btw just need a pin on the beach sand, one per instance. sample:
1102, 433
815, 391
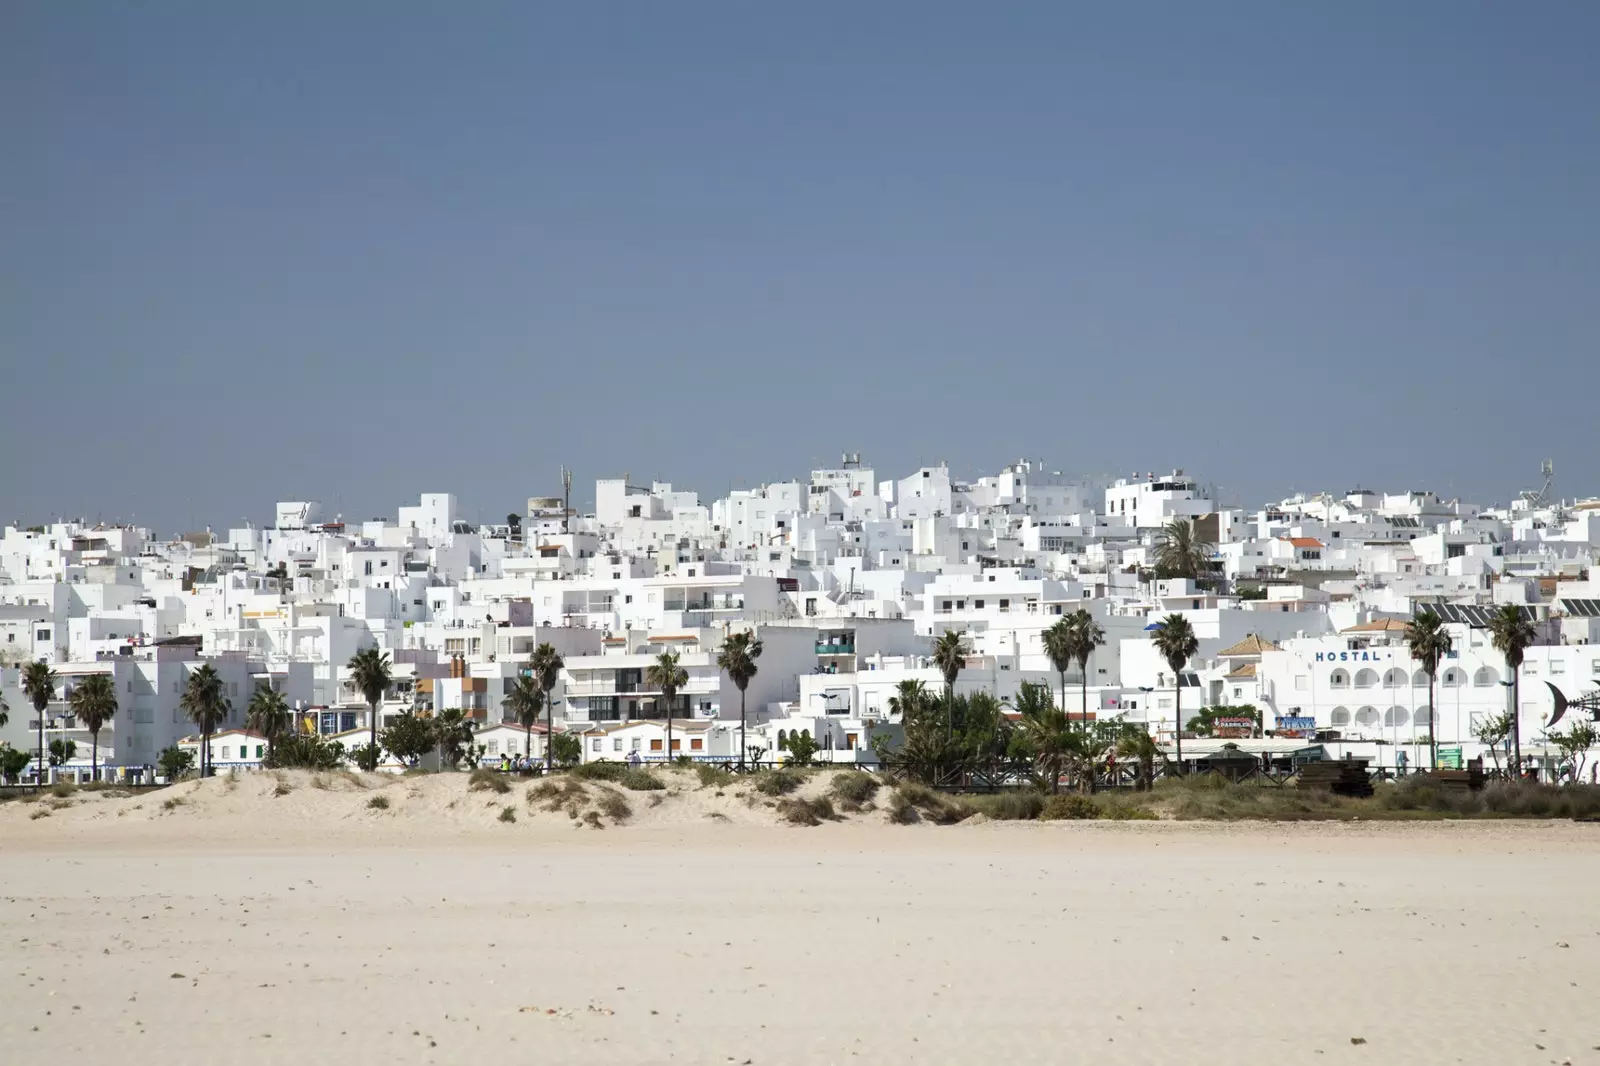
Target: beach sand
246, 927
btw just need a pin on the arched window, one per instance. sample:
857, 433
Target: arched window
783, 740
1485, 677
1340, 716
1454, 678
1367, 716
1366, 678
1395, 716
1423, 717
1420, 678
1395, 678
1339, 679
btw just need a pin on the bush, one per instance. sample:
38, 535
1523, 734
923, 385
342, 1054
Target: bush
777, 782
601, 771
173, 804
798, 811
1022, 805
713, 776
282, 788
614, 805
488, 781
1118, 807
1058, 808
508, 814
640, 781
1529, 799
565, 749
174, 762
913, 803
592, 820
379, 803
62, 789
853, 786
303, 751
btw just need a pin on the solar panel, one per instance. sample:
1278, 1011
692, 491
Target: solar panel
1472, 614
1581, 608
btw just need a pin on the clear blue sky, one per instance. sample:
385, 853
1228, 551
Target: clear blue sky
409, 248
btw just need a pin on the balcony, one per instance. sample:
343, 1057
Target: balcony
836, 647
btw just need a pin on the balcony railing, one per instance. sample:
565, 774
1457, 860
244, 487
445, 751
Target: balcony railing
836, 648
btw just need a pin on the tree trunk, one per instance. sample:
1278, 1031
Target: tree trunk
1064, 693
94, 756
372, 732
1516, 725
549, 736
742, 748
669, 726
1083, 714
527, 743
38, 771
1177, 720
1433, 726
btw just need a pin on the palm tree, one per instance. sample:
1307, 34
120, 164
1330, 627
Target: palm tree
94, 702
452, 730
39, 683
268, 714
525, 701
1046, 731
545, 666
1429, 642
668, 677
1513, 634
205, 705
949, 655
1086, 636
1061, 648
909, 698
1177, 644
1137, 744
1181, 551
737, 658
369, 672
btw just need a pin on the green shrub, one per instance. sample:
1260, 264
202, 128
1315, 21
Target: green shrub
601, 770
485, 780
1057, 808
641, 781
62, 789
1120, 807
797, 811
303, 751
379, 803
777, 782
1022, 805
853, 786
508, 814
713, 776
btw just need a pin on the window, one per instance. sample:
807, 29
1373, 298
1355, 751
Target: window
1485, 677
655, 745
696, 744
1394, 679
616, 744
1366, 678
44, 634
1339, 679
783, 740
491, 747
1300, 682
676, 743
635, 744
1557, 666
594, 745
261, 751
1340, 716
225, 752
977, 605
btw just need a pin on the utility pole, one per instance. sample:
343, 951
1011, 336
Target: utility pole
566, 500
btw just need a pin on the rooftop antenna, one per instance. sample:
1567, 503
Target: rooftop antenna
1541, 498
566, 499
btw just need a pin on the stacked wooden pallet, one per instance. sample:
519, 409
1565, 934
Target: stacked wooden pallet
1342, 777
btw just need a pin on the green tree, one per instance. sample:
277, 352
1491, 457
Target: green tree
39, 685
1061, 649
667, 677
1491, 731
1574, 744
801, 748
545, 665
370, 673
268, 714
62, 752
525, 702
568, 749
1182, 552
1044, 735
950, 656
1429, 643
408, 737
205, 706
1085, 635
12, 762
1176, 643
94, 703
452, 732
174, 762
1137, 745
1512, 634
1203, 723
737, 658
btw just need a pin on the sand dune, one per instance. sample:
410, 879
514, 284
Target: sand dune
242, 925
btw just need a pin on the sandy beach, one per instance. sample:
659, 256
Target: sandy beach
252, 924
